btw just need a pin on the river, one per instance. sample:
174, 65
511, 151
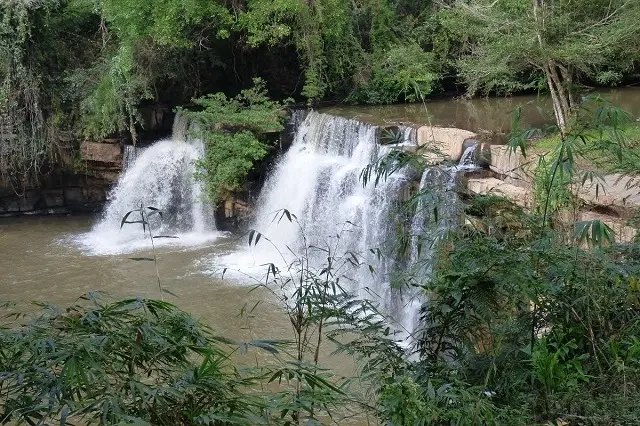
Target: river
490, 117
42, 261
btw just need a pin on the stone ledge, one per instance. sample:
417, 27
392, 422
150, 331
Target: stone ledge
622, 232
613, 190
517, 169
101, 153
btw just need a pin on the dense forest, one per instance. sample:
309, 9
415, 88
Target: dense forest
74, 69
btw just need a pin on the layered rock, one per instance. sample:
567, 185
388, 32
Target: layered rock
82, 187
103, 159
614, 191
492, 186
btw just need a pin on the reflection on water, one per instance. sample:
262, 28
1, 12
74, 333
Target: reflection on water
489, 117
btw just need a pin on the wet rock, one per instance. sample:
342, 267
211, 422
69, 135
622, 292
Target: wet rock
28, 201
483, 156
53, 198
74, 196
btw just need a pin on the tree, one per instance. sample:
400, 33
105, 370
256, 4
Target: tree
512, 45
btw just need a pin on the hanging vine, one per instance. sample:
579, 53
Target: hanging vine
24, 134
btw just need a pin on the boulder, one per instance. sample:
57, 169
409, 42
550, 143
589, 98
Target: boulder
622, 232
29, 200
443, 143
516, 169
53, 197
74, 196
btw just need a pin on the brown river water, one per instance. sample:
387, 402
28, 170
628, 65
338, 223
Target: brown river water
490, 117
41, 261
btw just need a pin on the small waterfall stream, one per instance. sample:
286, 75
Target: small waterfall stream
160, 176
129, 156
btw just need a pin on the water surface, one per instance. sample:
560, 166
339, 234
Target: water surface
41, 261
490, 117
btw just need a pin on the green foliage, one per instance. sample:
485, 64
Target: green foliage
74, 69
228, 159
141, 361
402, 403
550, 191
234, 130
597, 142
511, 45
167, 24
131, 361
403, 73
31, 64
524, 321
357, 48
111, 106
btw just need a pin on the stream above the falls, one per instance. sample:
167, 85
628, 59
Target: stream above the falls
490, 117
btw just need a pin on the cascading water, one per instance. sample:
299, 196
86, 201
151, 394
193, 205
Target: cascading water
318, 180
437, 212
160, 176
129, 156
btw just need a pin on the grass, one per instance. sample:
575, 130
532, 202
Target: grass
595, 158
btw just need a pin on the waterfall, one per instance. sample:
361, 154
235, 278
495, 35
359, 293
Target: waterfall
318, 180
437, 212
160, 176
129, 156
468, 159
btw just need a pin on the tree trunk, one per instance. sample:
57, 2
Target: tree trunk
561, 118
563, 102
563, 94
567, 76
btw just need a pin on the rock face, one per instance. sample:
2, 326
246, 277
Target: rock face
103, 159
83, 189
622, 232
98, 152
512, 165
443, 143
490, 185
71, 194
615, 191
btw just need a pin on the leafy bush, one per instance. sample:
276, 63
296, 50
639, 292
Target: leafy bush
132, 361
401, 72
234, 133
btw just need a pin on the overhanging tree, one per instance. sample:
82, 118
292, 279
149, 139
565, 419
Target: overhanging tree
511, 45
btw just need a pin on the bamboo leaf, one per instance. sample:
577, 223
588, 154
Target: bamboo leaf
124, 218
